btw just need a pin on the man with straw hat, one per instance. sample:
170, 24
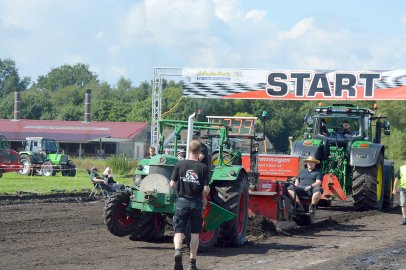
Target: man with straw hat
308, 183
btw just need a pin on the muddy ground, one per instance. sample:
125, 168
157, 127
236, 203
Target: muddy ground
70, 234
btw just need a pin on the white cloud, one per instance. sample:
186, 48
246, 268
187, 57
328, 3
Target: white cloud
298, 29
228, 10
255, 15
26, 15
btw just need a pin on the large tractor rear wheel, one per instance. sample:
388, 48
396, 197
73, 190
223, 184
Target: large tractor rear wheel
151, 228
119, 220
25, 160
233, 196
368, 186
69, 170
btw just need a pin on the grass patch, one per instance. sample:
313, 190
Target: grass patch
14, 183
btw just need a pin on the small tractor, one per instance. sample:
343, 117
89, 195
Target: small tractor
144, 211
9, 159
40, 156
352, 164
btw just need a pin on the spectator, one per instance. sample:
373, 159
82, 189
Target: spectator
190, 178
152, 152
401, 181
308, 183
109, 180
96, 178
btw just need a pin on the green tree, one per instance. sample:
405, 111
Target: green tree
57, 78
35, 105
7, 106
10, 80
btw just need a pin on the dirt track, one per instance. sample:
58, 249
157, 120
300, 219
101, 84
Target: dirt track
71, 235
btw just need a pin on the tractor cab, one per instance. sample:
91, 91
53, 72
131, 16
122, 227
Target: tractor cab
340, 125
40, 148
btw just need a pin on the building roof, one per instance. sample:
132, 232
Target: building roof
70, 131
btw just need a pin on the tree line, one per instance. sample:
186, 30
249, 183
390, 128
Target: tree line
59, 95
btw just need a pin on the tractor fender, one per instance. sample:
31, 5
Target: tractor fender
366, 157
302, 150
226, 173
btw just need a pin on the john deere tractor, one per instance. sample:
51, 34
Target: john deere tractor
40, 156
352, 160
144, 211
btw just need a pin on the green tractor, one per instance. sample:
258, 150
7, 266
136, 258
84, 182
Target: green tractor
40, 156
352, 160
144, 211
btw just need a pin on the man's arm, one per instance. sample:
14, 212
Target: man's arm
174, 177
98, 180
395, 184
317, 183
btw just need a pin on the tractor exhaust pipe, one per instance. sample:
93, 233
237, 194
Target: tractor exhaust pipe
87, 105
17, 99
189, 132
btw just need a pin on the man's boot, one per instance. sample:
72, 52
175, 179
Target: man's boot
178, 260
192, 264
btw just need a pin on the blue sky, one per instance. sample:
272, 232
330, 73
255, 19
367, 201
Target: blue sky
129, 38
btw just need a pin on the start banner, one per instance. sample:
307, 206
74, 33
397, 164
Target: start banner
294, 84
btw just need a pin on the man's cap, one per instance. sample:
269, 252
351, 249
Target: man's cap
311, 159
93, 169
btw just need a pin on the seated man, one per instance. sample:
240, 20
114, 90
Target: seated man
308, 183
345, 129
109, 180
95, 178
323, 128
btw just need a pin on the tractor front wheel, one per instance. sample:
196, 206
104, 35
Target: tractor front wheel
120, 220
47, 169
151, 228
368, 186
233, 196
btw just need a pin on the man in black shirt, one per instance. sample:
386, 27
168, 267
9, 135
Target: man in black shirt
308, 183
191, 180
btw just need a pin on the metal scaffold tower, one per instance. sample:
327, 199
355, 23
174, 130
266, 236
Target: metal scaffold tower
159, 75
